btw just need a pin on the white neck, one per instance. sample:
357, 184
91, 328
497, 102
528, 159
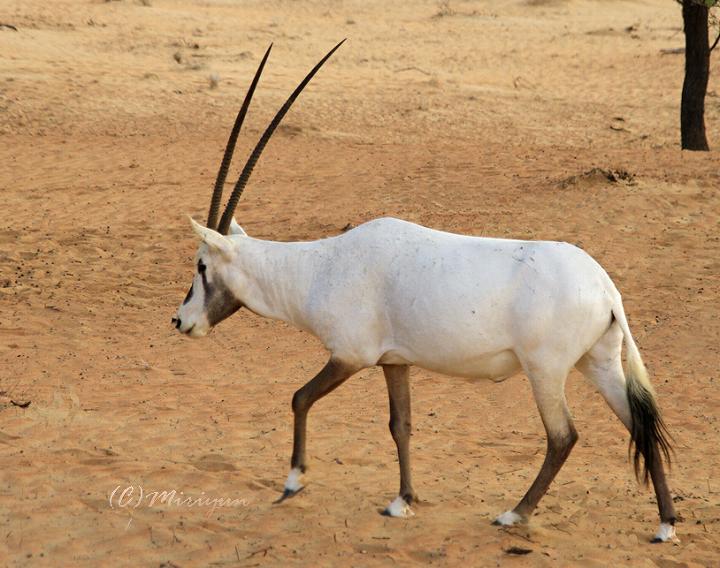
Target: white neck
273, 279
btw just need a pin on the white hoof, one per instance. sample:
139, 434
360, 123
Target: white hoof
292, 484
508, 519
666, 533
398, 508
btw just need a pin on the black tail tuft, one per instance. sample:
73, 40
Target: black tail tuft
649, 434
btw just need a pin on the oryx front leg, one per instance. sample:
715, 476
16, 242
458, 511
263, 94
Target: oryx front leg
332, 376
396, 377
549, 391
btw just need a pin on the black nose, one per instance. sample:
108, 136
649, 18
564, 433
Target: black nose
177, 322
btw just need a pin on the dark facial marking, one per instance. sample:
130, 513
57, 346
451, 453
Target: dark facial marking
220, 302
188, 296
207, 287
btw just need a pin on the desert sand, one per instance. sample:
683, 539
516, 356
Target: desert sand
486, 118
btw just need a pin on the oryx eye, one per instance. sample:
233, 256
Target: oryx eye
201, 267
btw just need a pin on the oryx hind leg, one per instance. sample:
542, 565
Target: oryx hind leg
398, 385
602, 365
549, 391
332, 376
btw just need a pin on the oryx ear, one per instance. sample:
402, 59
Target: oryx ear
211, 238
236, 229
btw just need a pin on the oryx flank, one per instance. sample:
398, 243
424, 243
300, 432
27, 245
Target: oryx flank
396, 294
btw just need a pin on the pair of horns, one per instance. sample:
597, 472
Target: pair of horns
224, 225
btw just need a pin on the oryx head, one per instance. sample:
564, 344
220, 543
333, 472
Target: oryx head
210, 300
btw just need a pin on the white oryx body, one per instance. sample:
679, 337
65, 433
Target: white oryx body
392, 292
396, 294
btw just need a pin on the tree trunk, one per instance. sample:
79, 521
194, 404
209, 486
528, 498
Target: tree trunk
697, 71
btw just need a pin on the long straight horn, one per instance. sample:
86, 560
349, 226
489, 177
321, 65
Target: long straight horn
247, 170
230, 148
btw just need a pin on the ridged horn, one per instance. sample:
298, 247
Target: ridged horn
247, 170
230, 148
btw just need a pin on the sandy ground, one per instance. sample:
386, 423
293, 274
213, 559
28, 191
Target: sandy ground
478, 117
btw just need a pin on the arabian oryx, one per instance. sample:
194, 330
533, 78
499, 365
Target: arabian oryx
396, 294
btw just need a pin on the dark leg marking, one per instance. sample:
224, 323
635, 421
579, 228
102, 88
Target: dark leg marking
662, 494
652, 440
558, 450
397, 379
333, 374
561, 437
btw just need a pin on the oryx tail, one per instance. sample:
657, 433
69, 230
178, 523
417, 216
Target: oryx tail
648, 432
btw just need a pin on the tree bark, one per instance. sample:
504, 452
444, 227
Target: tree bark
697, 71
